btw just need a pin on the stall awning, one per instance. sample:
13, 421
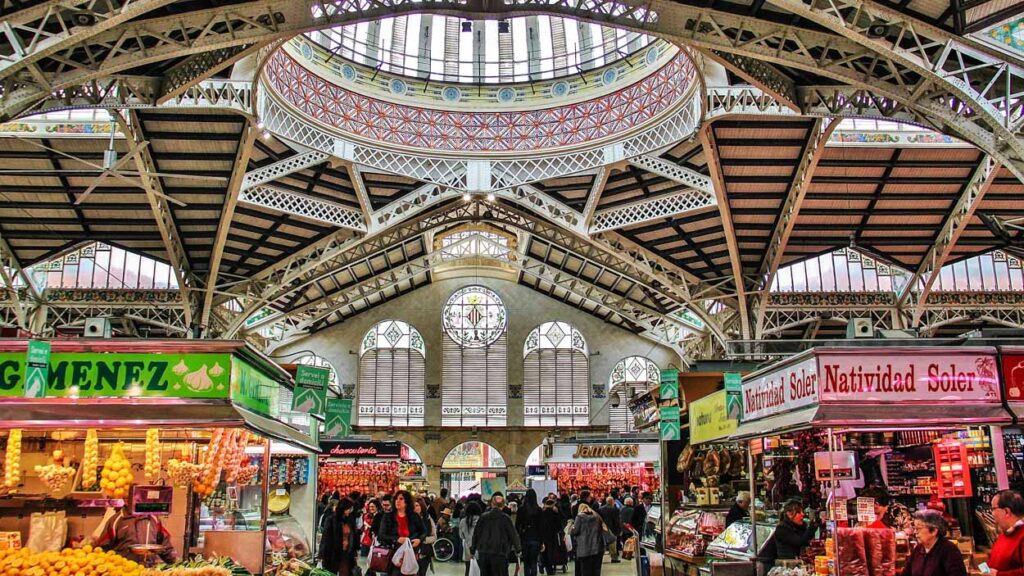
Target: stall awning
278, 431
875, 416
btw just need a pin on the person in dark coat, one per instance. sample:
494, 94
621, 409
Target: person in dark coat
494, 538
934, 554
400, 525
640, 512
610, 514
587, 531
740, 509
552, 537
528, 527
792, 535
565, 507
340, 542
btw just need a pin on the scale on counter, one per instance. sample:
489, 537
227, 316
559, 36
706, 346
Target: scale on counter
150, 501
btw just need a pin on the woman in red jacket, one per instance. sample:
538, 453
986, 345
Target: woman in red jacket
1007, 556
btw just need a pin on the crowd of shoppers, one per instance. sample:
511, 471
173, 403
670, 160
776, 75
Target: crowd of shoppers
543, 533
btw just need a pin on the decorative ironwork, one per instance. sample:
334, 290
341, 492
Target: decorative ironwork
306, 206
282, 168
651, 209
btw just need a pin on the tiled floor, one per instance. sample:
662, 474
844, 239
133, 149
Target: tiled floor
623, 568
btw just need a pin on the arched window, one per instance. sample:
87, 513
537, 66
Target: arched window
475, 366
630, 376
556, 376
391, 368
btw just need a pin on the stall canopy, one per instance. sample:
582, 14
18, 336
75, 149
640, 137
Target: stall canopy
873, 388
124, 383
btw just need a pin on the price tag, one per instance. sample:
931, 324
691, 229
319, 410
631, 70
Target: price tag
281, 492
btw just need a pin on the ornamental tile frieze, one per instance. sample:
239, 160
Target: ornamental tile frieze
831, 299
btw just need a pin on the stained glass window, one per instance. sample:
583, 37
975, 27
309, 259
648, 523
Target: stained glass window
474, 317
631, 375
391, 374
556, 376
475, 359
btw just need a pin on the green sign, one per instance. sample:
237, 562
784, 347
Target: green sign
669, 385
670, 423
339, 418
733, 381
310, 394
734, 406
97, 374
253, 389
37, 368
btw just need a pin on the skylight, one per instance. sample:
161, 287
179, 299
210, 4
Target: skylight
448, 49
102, 266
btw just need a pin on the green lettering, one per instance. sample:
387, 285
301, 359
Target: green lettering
107, 373
132, 373
10, 374
58, 376
80, 374
156, 379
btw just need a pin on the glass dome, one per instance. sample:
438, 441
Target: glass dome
448, 49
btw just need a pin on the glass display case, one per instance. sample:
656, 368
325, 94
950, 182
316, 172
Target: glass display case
737, 540
286, 540
651, 535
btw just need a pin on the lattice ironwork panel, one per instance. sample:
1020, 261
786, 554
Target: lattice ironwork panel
673, 172
287, 166
652, 209
305, 206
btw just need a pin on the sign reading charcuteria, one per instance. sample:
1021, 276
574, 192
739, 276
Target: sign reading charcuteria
873, 376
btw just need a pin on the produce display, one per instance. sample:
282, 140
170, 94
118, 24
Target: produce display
247, 475
296, 567
91, 460
224, 454
56, 475
365, 477
182, 472
198, 566
12, 459
85, 560
152, 454
116, 478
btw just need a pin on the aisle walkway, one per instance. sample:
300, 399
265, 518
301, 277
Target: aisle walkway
623, 568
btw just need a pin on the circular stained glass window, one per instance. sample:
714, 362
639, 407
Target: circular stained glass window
474, 317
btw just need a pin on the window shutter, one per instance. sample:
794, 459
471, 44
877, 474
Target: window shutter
474, 380
391, 390
556, 388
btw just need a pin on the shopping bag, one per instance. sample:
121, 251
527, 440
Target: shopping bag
474, 568
47, 531
380, 558
568, 542
405, 559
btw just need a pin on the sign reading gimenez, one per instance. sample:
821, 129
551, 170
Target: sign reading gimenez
875, 376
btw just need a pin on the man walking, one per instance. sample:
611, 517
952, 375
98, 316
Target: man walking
493, 539
610, 514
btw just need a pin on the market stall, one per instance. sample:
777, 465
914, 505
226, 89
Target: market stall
474, 467
833, 425
99, 433
603, 465
367, 467
714, 472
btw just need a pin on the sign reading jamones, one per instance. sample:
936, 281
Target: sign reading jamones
874, 376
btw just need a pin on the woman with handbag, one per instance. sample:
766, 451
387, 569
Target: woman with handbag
588, 529
426, 552
340, 544
397, 527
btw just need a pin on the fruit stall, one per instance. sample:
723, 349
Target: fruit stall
179, 433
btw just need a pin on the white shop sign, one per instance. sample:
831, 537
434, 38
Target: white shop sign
947, 376
878, 376
792, 387
646, 452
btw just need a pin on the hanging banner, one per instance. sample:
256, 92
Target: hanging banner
339, 418
709, 418
310, 394
670, 423
37, 368
669, 389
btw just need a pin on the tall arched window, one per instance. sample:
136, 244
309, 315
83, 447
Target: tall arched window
475, 367
556, 376
630, 376
391, 369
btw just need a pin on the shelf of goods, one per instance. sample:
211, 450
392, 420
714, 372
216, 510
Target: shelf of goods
600, 477
121, 414
365, 477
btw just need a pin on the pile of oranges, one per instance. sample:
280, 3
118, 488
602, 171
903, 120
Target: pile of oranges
67, 562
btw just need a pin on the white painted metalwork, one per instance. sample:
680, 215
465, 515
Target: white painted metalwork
651, 209
289, 165
304, 206
674, 172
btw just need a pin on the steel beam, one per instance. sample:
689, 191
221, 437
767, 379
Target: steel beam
959, 218
673, 172
131, 127
282, 168
707, 139
359, 185
305, 206
818, 137
594, 198
651, 209
227, 214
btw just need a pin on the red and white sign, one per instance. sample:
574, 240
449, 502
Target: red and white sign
1013, 374
791, 387
908, 376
